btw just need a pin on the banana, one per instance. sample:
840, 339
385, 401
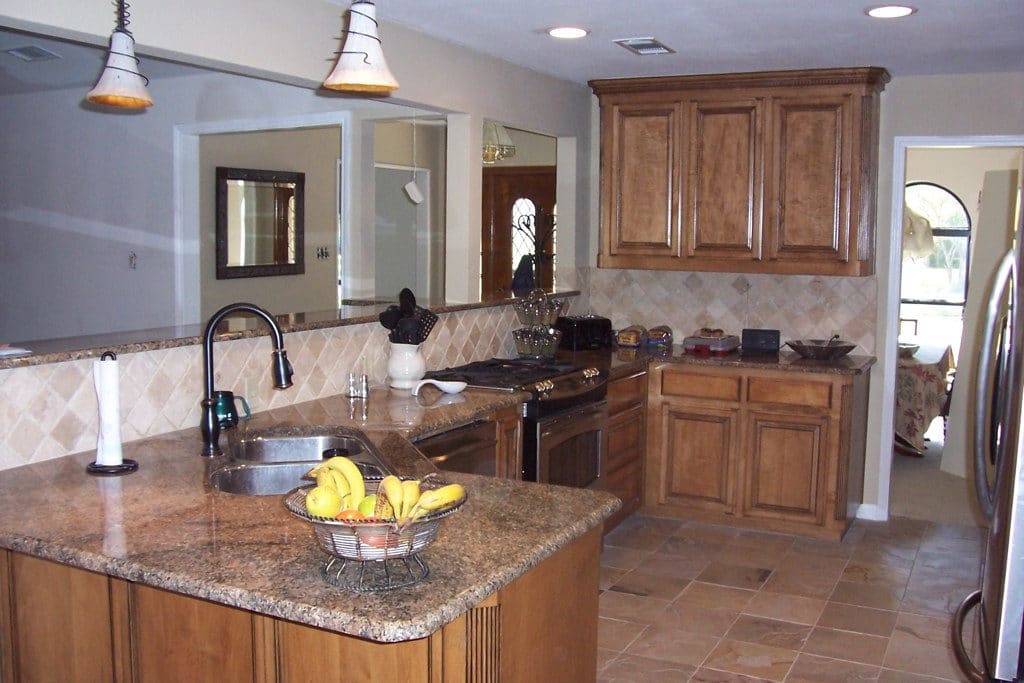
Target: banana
383, 508
351, 472
333, 479
437, 499
390, 490
410, 495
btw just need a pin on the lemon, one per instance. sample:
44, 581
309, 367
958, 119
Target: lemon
322, 501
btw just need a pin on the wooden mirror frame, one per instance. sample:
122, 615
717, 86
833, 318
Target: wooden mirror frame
224, 271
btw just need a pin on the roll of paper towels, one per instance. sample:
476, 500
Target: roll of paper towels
108, 399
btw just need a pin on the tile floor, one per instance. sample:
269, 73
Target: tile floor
683, 601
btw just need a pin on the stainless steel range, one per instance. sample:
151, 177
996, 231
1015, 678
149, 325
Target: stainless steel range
564, 420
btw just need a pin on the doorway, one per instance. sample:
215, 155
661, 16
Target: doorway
938, 486
514, 199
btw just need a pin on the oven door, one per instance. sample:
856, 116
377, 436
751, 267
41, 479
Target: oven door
568, 447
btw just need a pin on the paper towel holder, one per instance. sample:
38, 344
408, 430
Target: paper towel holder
127, 466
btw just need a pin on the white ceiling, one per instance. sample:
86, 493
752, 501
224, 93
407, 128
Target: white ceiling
719, 36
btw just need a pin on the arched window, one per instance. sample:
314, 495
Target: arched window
523, 214
940, 278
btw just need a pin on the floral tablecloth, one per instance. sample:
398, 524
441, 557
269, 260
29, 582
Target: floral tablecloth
921, 391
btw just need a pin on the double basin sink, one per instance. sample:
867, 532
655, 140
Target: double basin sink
273, 461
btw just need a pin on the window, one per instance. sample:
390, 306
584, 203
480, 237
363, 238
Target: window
940, 278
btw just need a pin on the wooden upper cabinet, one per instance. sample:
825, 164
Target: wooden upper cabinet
770, 172
723, 189
641, 200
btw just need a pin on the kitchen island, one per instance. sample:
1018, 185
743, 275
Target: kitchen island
155, 573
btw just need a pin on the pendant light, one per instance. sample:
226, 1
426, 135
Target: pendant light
120, 84
497, 143
361, 67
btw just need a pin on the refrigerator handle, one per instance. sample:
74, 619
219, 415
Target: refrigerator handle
962, 658
982, 385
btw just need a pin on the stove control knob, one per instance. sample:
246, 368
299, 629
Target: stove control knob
591, 374
544, 386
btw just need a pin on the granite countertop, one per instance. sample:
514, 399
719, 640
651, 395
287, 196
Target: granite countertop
624, 361
165, 527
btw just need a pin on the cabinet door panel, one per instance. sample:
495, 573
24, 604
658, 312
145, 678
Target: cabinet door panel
723, 194
786, 466
698, 457
644, 191
810, 179
61, 622
180, 638
626, 392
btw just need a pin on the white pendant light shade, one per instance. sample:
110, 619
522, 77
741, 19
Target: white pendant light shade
121, 84
361, 66
497, 143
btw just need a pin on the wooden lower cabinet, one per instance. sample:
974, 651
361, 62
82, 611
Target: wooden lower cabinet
770, 449
623, 467
69, 624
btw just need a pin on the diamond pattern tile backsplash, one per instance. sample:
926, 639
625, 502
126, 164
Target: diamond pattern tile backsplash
50, 410
796, 305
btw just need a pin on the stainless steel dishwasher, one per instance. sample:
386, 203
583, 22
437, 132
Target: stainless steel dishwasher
472, 448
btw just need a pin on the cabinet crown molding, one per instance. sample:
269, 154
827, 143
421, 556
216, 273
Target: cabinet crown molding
872, 76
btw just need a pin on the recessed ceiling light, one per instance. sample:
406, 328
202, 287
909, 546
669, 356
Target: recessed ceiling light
567, 32
890, 11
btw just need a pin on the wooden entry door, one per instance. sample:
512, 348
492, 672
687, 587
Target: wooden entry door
502, 187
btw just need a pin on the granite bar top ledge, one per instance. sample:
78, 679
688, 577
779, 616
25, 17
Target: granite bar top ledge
163, 526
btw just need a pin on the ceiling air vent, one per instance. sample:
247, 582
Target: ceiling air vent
644, 46
32, 53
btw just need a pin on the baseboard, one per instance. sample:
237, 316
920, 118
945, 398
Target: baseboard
874, 513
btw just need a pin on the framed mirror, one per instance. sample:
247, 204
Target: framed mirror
259, 227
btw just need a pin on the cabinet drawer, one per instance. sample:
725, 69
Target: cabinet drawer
794, 392
626, 393
695, 385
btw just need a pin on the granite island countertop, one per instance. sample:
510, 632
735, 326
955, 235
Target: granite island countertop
165, 527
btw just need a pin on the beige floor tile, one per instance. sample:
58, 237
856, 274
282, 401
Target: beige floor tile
935, 597
813, 546
673, 645
785, 607
621, 558
711, 595
706, 533
894, 676
760, 539
802, 582
633, 669
709, 621
803, 561
690, 548
846, 645
734, 575
661, 525
615, 634
630, 607
704, 675
930, 564
813, 669
866, 595
891, 556
750, 659
858, 571
604, 657
921, 644
766, 558
676, 566
640, 539
765, 631
650, 585
874, 622
608, 577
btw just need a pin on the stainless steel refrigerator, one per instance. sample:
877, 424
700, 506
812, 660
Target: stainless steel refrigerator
998, 606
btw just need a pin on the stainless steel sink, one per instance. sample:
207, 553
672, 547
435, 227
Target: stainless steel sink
272, 462
268, 447
268, 479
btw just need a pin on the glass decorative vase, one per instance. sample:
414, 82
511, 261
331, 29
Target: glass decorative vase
406, 365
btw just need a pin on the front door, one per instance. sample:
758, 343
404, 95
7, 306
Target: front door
511, 197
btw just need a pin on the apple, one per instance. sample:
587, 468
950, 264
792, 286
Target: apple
368, 504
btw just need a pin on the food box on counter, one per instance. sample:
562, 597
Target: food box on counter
711, 346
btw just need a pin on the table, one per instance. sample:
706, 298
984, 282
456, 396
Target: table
921, 391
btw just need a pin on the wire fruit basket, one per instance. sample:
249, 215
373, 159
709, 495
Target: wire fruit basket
371, 539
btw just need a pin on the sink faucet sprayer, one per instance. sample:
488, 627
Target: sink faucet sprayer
282, 370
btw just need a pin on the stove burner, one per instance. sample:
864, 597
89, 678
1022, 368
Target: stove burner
503, 373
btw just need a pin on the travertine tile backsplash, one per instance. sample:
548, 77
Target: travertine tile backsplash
798, 306
50, 410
